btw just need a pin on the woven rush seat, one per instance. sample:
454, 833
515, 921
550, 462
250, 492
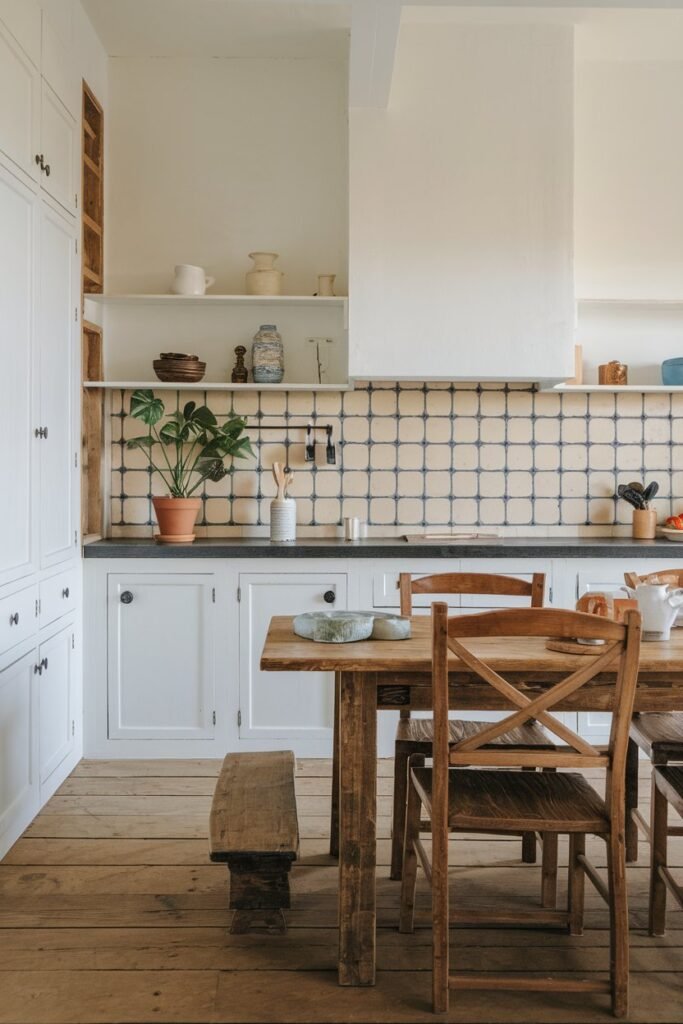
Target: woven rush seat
551, 801
421, 730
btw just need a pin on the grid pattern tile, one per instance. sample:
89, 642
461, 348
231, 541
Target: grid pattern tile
428, 455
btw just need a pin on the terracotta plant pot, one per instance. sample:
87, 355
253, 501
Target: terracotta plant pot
644, 524
176, 518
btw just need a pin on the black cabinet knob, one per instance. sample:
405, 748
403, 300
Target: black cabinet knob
126, 597
329, 597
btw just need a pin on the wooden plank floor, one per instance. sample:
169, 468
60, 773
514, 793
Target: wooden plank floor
111, 912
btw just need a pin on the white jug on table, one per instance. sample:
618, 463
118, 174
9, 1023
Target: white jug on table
658, 604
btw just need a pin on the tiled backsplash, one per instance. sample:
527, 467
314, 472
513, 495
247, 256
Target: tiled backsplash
436, 455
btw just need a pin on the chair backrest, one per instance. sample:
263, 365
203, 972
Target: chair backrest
512, 631
484, 583
672, 576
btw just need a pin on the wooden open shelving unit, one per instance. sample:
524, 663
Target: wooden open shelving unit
92, 282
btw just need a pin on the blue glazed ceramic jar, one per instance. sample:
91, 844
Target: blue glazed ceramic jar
267, 356
672, 372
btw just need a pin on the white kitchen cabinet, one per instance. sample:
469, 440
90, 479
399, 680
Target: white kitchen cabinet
19, 106
17, 247
160, 671
57, 150
55, 327
57, 724
18, 747
284, 706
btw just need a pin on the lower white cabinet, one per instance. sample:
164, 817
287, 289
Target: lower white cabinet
160, 671
19, 789
57, 724
284, 706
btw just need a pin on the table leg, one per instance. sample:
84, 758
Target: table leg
334, 813
358, 827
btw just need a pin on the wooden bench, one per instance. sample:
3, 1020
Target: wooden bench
253, 828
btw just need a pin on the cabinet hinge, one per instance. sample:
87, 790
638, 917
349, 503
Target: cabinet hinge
75, 460
214, 717
239, 594
76, 199
73, 727
75, 536
577, 588
213, 594
550, 595
73, 641
76, 245
76, 313
239, 719
37, 607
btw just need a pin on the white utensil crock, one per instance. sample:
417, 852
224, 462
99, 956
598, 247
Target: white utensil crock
283, 519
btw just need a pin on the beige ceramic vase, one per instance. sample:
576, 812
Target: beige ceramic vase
176, 518
264, 279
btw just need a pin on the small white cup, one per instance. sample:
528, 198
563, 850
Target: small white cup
351, 528
190, 280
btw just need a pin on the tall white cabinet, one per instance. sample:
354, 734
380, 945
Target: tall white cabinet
40, 699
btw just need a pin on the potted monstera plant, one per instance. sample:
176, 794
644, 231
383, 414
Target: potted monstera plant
185, 448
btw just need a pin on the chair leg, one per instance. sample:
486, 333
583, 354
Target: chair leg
658, 857
529, 838
402, 765
334, 813
618, 912
631, 801
576, 883
409, 872
549, 870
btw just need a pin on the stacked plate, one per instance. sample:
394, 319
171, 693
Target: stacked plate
179, 368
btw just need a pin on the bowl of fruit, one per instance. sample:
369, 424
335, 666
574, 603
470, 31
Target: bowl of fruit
673, 528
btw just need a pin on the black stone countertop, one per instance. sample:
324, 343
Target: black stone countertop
390, 547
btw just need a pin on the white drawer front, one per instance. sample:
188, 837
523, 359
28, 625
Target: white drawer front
57, 596
17, 617
385, 593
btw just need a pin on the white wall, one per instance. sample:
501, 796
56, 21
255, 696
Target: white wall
629, 170
210, 159
461, 208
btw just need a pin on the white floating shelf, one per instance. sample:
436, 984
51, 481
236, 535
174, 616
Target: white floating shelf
338, 301
586, 301
204, 385
626, 389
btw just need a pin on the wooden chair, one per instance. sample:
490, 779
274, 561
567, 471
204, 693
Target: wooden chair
414, 735
472, 800
667, 788
658, 735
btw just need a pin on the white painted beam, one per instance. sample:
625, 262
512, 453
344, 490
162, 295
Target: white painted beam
374, 35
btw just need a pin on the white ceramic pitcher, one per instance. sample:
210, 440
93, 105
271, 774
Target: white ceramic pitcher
190, 280
658, 604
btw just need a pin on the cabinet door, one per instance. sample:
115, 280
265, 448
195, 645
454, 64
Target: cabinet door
19, 106
284, 705
55, 333
18, 743
57, 144
17, 212
56, 713
160, 656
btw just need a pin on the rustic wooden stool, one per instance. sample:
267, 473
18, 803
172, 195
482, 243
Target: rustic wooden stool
253, 828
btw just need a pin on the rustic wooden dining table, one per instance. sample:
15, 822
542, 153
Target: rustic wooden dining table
385, 675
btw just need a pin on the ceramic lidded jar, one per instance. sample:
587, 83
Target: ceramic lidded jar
263, 278
267, 356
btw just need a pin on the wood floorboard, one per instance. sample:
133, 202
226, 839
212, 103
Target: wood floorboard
110, 912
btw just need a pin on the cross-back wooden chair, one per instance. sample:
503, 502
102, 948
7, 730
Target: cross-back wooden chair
667, 788
502, 800
658, 734
414, 735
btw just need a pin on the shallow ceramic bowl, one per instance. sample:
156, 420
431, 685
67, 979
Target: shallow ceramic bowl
676, 535
388, 626
334, 627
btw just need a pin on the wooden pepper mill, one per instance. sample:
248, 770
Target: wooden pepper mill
240, 374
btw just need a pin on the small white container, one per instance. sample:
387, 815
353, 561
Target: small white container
283, 519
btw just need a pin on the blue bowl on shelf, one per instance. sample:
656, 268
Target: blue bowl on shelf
672, 372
